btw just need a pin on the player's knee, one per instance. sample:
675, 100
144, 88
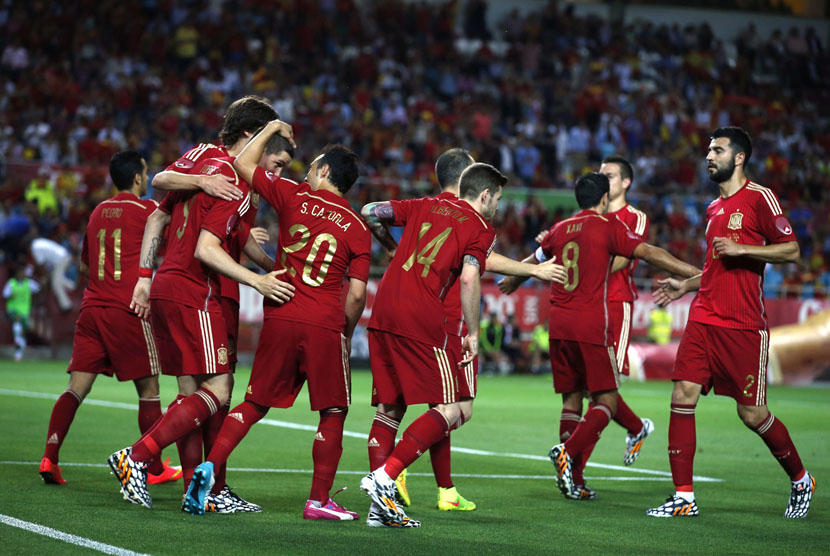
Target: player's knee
147, 387
752, 416
334, 411
685, 393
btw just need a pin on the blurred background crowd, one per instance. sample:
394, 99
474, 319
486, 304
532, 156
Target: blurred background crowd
543, 94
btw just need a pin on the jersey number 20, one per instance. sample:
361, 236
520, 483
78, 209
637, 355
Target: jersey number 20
305, 236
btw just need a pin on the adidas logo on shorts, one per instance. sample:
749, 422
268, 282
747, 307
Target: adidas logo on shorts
53, 439
237, 416
319, 436
373, 443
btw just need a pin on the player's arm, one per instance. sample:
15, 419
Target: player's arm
217, 185
512, 283
470, 306
672, 288
787, 252
247, 161
662, 259
254, 251
619, 263
526, 268
378, 216
209, 251
355, 302
150, 244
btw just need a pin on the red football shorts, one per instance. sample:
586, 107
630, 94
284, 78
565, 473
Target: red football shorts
619, 314
468, 374
189, 341
289, 354
733, 361
111, 341
230, 312
409, 372
577, 367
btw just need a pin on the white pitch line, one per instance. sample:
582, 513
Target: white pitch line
67, 537
343, 472
351, 434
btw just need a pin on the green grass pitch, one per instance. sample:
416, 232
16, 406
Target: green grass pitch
519, 509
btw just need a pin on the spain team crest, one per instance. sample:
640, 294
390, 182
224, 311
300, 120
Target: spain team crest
735, 221
222, 356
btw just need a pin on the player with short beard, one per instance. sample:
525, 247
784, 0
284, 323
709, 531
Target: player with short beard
726, 341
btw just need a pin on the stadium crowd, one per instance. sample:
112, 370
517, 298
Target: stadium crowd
542, 96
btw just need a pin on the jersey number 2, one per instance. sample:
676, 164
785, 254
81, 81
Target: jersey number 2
305, 235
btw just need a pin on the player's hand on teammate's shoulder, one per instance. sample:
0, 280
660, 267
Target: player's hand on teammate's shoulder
260, 235
670, 289
140, 302
550, 272
272, 287
220, 186
725, 247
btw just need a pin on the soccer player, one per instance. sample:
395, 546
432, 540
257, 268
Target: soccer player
448, 169
443, 240
322, 241
622, 291
109, 338
581, 350
726, 341
188, 323
18, 295
243, 118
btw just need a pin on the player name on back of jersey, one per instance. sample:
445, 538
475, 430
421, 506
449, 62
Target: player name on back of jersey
574, 227
320, 211
114, 212
444, 210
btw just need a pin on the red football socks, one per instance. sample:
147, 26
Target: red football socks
239, 421
381, 439
588, 430
328, 446
209, 434
627, 418
439, 456
189, 448
777, 438
149, 411
63, 414
682, 444
184, 417
425, 431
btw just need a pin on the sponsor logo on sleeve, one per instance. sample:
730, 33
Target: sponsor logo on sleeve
783, 225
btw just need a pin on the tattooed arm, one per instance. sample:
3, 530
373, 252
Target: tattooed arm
153, 236
470, 306
378, 216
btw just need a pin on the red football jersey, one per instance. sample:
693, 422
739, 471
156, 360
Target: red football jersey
182, 278
437, 234
621, 286
235, 245
452, 302
321, 242
731, 289
111, 249
585, 245
187, 163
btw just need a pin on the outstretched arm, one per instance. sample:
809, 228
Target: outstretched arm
663, 260
254, 251
546, 271
672, 288
378, 216
209, 251
247, 161
217, 185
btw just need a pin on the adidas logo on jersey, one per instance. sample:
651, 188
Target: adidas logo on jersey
197, 422
373, 443
238, 416
249, 391
53, 439
319, 436
719, 212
